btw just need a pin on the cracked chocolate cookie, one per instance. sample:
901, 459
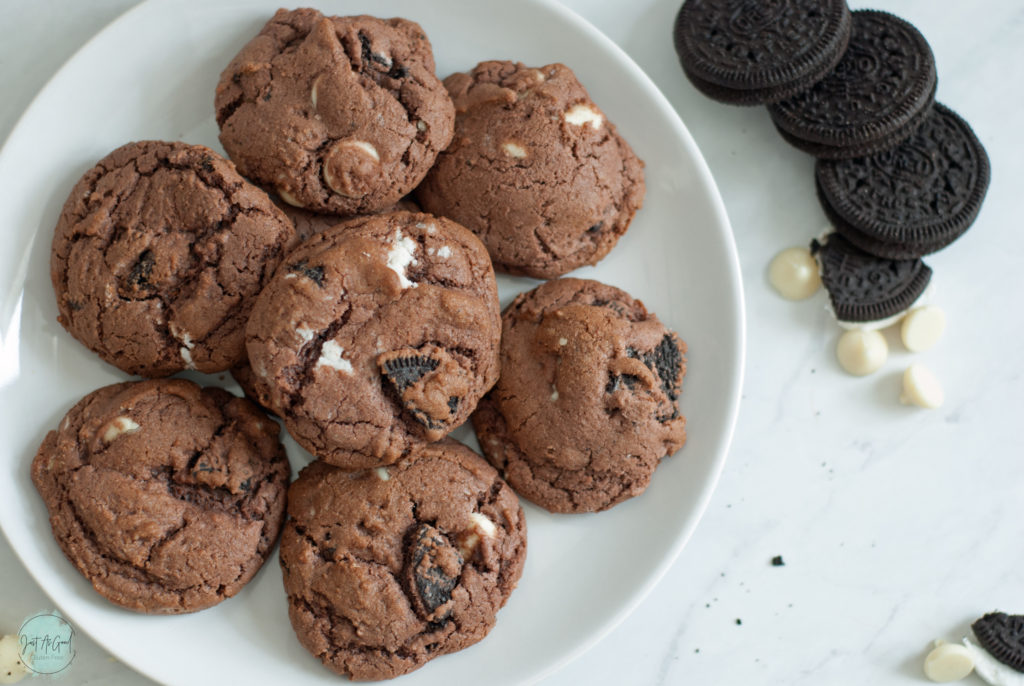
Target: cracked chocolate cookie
339, 114
535, 169
587, 403
375, 334
158, 254
166, 496
388, 568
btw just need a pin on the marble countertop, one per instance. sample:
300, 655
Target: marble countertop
897, 525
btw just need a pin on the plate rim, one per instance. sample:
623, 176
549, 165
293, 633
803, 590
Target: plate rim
733, 392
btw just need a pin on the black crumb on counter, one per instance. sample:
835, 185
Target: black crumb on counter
778, 562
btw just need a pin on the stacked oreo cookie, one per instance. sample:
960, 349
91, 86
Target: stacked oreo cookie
898, 175
369, 328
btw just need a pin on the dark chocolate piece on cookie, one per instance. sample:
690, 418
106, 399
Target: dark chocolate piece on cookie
750, 52
913, 199
1002, 635
863, 287
873, 99
390, 567
432, 570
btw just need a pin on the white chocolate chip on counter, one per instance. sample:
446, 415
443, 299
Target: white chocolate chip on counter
513, 150
581, 115
12, 669
922, 328
921, 387
794, 274
948, 662
119, 426
861, 352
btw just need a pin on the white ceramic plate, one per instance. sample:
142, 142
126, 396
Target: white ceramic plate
151, 74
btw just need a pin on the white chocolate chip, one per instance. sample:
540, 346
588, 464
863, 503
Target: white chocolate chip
351, 167
794, 274
382, 473
563, 341
305, 333
554, 393
331, 356
119, 426
444, 251
513, 150
401, 256
861, 352
922, 328
312, 92
483, 524
479, 526
921, 387
948, 662
288, 197
12, 668
581, 115
421, 125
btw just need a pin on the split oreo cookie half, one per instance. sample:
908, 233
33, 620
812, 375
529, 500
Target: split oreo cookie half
913, 199
863, 288
751, 52
1002, 635
875, 98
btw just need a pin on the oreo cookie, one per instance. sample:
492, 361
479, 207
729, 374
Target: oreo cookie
1002, 635
913, 199
875, 98
864, 288
751, 52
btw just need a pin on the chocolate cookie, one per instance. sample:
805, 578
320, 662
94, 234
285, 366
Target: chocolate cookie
913, 199
587, 403
158, 254
166, 496
875, 98
339, 114
750, 52
863, 288
388, 568
535, 169
376, 334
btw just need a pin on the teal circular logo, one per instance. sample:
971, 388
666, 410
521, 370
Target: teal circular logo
46, 643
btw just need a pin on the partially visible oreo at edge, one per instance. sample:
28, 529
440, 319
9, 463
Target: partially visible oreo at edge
913, 199
865, 288
750, 52
875, 98
1002, 635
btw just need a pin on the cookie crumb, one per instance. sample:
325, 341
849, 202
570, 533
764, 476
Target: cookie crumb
777, 561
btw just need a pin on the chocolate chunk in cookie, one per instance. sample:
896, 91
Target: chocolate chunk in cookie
588, 400
388, 568
166, 496
376, 334
535, 170
158, 255
339, 114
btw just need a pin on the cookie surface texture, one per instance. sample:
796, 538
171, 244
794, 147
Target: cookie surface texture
158, 254
587, 403
388, 568
375, 334
535, 170
165, 496
913, 199
339, 114
875, 97
749, 52
863, 287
